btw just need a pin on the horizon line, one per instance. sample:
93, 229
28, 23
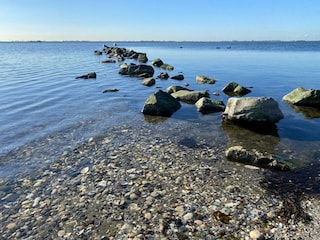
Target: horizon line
298, 40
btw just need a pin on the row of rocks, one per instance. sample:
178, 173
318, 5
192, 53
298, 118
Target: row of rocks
245, 111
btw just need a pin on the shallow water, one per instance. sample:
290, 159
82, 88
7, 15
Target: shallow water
46, 111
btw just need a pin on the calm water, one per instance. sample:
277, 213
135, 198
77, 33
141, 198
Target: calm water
42, 104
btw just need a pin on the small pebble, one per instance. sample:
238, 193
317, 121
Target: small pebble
255, 234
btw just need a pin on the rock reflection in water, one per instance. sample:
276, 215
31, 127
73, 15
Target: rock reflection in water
154, 119
250, 139
308, 112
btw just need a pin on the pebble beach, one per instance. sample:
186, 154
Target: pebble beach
140, 182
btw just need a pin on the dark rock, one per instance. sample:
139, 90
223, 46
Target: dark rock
120, 58
207, 105
303, 97
87, 76
189, 96
108, 61
204, 79
157, 62
160, 104
163, 75
97, 52
142, 57
173, 89
136, 70
253, 110
255, 158
110, 90
149, 81
179, 77
234, 89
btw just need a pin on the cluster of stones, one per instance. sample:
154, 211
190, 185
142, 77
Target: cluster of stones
252, 112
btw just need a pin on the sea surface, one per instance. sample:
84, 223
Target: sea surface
45, 110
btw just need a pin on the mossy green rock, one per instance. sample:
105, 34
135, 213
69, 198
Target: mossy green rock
160, 104
303, 97
207, 105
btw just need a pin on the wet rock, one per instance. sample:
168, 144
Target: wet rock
179, 77
173, 89
149, 81
205, 79
142, 57
167, 67
87, 76
255, 158
253, 110
303, 97
157, 62
234, 89
97, 52
189, 96
207, 105
110, 90
163, 75
108, 61
136, 70
160, 104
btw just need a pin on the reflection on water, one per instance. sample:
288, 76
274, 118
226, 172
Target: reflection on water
308, 112
154, 119
247, 138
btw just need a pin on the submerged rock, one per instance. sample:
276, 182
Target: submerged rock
108, 61
253, 109
303, 97
110, 90
255, 158
205, 79
160, 104
179, 77
89, 75
189, 96
207, 105
97, 52
234, 89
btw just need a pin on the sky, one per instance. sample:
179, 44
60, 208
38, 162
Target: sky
164, 20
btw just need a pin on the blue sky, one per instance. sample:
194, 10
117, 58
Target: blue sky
177, 20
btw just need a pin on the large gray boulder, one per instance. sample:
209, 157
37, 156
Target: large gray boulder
136, 70
255, 158
204, 79
207, 105
303, 97
160, 104
189, 96
235, 89
253, 109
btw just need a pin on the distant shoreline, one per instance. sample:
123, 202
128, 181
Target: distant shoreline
157, 41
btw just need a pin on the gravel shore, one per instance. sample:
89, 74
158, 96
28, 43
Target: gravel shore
141, 183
